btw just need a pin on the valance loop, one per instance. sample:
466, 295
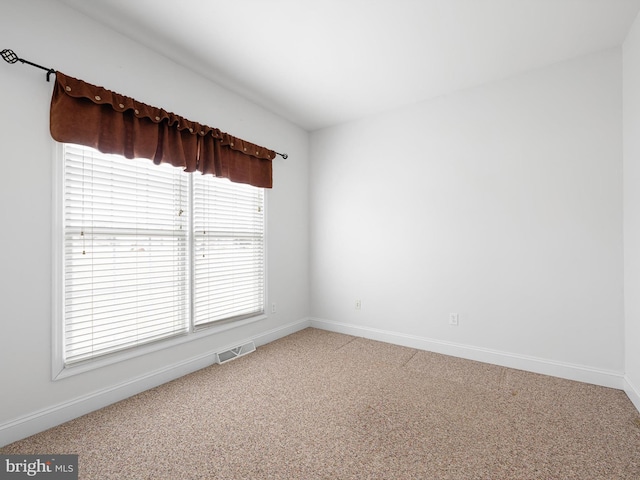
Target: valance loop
89, 115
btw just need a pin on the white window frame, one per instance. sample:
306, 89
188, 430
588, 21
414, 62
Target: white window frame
58, 368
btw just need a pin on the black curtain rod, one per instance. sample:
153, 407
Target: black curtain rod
10, 56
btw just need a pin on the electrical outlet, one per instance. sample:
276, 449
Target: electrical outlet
358, 305
273, 307
453, 319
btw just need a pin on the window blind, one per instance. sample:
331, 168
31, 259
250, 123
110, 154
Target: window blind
125, 242
228, 250
151, 252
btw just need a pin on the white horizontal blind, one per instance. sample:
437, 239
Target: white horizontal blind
125, 253
228, 250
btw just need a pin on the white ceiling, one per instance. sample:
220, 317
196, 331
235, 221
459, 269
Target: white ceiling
323, 62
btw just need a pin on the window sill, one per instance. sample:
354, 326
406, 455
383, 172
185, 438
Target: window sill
61, 371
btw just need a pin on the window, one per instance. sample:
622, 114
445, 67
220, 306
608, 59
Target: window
150, 253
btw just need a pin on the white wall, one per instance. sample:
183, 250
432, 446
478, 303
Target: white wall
51, 34
631, 135
502, 203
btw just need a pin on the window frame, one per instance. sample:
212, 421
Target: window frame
59, 369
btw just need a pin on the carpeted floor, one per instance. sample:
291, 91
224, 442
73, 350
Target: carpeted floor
321, 405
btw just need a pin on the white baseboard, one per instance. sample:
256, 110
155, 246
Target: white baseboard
520, 362
45, 418
280, 332
632, 392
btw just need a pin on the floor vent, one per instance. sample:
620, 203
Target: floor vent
235, 352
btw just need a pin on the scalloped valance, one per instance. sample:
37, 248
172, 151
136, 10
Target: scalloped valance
88, 115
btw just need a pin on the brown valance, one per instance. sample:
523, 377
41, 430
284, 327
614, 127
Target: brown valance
88, 115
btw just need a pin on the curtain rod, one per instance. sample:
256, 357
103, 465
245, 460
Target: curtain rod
10, 56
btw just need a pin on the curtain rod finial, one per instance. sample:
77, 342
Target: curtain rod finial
9, 55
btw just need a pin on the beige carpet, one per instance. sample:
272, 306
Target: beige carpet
321, 405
